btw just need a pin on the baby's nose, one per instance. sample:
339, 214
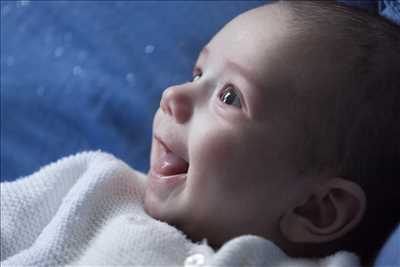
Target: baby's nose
176, 101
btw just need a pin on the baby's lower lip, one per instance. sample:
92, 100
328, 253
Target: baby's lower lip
164, 185
167, 180
164, 173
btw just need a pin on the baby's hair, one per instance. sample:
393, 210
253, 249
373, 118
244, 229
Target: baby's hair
359, 134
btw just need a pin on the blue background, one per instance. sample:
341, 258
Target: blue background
85, 76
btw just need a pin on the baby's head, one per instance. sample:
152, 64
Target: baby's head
289, 130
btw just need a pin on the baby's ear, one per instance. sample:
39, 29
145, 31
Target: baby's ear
328, 213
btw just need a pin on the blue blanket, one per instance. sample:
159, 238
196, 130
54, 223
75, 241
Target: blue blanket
85, 76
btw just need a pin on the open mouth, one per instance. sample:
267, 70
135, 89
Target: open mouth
167, 163
169, 169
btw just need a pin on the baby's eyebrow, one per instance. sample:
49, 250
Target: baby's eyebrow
236, 67
204, 52
244, 72
203, 55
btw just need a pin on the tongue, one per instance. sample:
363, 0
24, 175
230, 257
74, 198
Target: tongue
170, 164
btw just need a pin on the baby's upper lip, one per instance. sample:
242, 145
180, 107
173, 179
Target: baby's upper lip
173, 145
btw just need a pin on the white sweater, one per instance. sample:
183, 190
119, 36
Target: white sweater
87, 209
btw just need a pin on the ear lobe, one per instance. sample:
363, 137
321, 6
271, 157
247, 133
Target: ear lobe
329, 213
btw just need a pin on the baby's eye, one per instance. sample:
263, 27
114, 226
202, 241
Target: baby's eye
196, 77
230, 96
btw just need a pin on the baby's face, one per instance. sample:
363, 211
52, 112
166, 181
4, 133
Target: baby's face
224, 143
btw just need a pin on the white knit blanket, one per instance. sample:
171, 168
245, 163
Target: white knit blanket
87, 209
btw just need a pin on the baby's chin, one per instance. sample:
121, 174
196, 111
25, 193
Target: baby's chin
150, 205
157, 208
194, 231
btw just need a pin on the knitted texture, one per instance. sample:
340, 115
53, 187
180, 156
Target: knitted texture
87, 209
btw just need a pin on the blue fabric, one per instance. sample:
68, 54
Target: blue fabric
390, 9
390, 254
78, 76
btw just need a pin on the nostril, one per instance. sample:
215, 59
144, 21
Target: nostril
177, 102
181, 111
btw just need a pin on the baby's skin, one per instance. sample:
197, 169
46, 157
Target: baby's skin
226, 144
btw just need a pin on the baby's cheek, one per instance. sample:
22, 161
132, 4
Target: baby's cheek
216, 146
220, 155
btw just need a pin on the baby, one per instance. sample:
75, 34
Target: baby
288, 132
